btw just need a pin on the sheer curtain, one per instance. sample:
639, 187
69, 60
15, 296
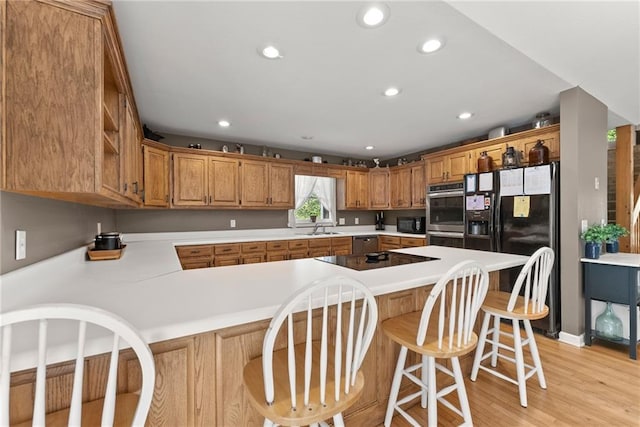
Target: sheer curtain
325, 190
304, 186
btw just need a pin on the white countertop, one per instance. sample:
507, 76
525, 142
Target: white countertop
148, 287
621, 259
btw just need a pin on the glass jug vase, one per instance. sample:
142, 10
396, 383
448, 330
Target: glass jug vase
608, 325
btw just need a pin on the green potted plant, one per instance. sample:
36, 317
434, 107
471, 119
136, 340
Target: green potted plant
594, 236
614, 232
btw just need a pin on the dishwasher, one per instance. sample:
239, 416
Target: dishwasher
364, 245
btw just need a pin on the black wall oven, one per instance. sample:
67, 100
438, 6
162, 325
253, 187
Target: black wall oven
445, 214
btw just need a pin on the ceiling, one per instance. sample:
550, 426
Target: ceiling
194, 63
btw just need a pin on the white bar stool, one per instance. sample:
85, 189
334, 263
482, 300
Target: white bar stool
456, 298
526, 307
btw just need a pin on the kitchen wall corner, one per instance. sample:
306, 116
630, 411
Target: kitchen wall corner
53, 227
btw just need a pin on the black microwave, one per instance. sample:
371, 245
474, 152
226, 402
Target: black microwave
411, 224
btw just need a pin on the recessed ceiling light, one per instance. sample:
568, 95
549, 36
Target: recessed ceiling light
465, 115
224, 123
369, 147
430, 46
270, 52
392, 91
373, 15
307, 137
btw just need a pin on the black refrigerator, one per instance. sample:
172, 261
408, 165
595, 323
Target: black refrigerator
528, 217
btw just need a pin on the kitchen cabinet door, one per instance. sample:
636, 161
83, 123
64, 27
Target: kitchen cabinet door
156, 176
379, 188
435, 169
131, 159
354, 190
418, 186
223, 182
254, 183
189, 180
387, 243
281, 186
458, 166
401, 187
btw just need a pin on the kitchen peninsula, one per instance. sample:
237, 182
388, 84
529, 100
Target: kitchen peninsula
205, 324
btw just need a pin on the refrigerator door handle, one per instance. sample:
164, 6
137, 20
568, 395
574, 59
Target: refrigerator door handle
496, 222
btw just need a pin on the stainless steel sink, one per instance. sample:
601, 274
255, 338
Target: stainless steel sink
321, 233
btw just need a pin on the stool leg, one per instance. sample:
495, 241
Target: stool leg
432, 407
338, 421
425, 377
395, 386
480, 348
495, 340
462, 391
534, 354
517, 346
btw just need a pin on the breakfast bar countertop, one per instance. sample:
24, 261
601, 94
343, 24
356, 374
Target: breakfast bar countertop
148, 287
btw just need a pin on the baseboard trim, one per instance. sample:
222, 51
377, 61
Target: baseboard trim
574, 340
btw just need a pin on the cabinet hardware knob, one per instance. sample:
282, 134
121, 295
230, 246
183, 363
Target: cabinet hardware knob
209, 199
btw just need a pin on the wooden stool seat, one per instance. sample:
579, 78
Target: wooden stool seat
281, 412
497, 302
402, 329
92, 413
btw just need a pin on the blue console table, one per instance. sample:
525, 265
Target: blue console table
612, 277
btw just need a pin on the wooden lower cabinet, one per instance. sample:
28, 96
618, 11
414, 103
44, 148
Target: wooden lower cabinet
277, 250
199, 377
387, 243
411, 242
341, 245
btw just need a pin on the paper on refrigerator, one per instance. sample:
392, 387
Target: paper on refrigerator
511, 182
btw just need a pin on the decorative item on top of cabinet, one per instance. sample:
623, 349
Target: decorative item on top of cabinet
379, 188
155, 174
82, 148
485, 162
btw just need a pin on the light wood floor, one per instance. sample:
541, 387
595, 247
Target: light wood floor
588, 386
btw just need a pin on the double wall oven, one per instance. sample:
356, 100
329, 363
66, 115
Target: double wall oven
445, 214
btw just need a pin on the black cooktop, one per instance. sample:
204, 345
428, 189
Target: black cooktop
375, 260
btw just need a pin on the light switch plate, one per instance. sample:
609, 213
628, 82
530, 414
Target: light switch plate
357, 221
341, 221
21, 244
232, 223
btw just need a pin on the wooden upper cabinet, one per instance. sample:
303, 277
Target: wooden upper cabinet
353, 190
190, 180
458, 166
223, 182
493, 151
282, 186
66, 128
265, 184
401, 187
448, 168
156, 176
418, 186
132, 175
379, 188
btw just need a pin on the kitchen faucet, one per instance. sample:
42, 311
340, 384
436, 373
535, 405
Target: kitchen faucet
315, 228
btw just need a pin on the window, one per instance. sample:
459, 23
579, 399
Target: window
315, 201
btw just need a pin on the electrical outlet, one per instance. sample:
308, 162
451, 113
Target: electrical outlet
232, 223
341, 221
596, 183
357, 220
584, 224
21, 244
